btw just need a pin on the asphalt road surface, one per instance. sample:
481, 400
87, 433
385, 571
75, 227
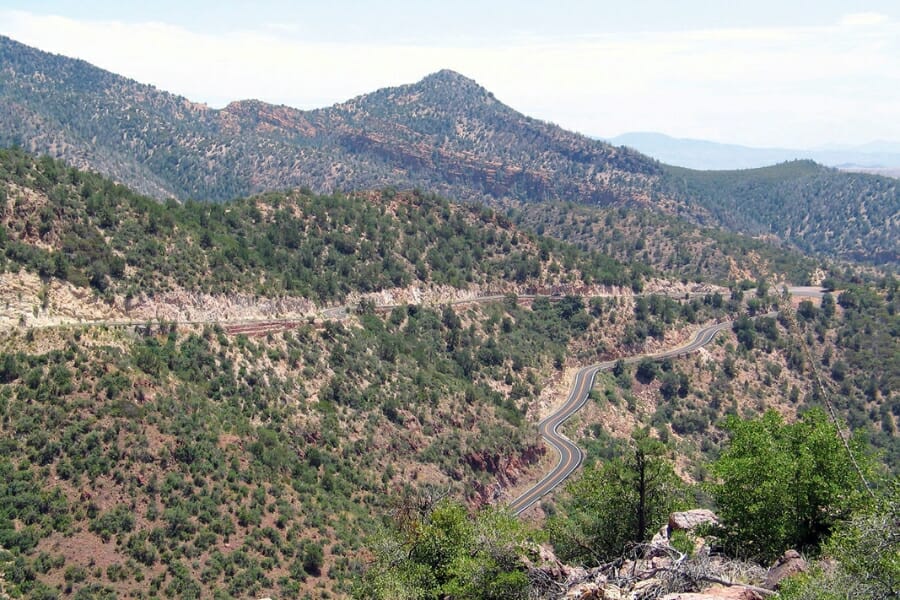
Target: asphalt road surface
570, 455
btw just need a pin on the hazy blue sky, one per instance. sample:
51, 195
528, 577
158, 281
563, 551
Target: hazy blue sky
788, 73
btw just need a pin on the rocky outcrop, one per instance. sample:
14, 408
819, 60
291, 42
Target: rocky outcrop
656, 570
690, 520
506, 469
444, 133
788, 564
590, 591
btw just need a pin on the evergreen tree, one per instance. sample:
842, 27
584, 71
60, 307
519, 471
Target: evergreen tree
617, 504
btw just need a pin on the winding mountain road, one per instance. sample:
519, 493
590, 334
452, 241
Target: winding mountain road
570, 455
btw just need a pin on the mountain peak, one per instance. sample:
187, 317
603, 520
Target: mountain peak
447, 80
449, 76
447, 92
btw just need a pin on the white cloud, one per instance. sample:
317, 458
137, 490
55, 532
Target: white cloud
864, 19
765, 86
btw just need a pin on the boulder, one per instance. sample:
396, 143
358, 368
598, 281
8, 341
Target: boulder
661, 537
790, 563
691, 519
555, 568
586, 591
582, 591
571, 573
546, 554
611, 592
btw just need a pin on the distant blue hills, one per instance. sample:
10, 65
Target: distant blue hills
880, 156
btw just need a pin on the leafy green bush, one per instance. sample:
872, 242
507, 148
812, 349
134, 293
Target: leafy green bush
865, 551
113, 522
442, 552
785, 485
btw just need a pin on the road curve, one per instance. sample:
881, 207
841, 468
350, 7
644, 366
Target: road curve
570, 455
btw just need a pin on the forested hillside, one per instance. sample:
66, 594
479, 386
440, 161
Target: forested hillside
148, 456
182, 460
783, 427
144, 455
331, 387
814, 208
841, 351
445, 134
667, 243
82, 228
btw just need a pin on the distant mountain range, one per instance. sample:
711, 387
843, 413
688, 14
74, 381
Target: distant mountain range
702, 154
444, 134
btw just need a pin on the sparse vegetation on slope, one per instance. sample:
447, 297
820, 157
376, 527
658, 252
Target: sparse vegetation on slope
190, 461
768, 502
72, 225
816, 209
769, 362
669, 244
445, 134
179, 460
194, 461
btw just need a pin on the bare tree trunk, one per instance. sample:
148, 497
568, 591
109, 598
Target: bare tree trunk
642, 495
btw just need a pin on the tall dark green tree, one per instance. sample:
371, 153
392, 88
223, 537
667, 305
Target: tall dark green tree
617, 504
